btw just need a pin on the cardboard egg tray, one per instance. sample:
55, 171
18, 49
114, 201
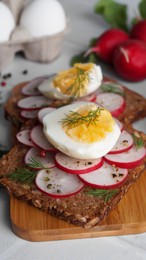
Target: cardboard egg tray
39, 49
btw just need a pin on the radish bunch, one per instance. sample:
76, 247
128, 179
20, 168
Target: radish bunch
124, 45
125, 52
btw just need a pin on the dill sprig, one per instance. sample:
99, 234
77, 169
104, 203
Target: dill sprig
109, 87
26, 175
77, 88
106, 195
23, 175
74, 119
138, 141
36, 164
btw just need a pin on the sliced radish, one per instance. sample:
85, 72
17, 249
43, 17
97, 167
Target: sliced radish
35, 153
119, 124
34, 102
129, 159
112, 102
29, 114
76, 166
89, 98
57, 183
106, 177
38, 138
31, 89
24, 137
124, 143
43, 112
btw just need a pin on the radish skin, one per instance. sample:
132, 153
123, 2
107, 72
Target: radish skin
107, 42
106, 177
129, 159
129, 60
76, 166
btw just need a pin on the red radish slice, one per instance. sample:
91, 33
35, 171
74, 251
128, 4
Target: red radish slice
38, 138
29, 114
43, 112
34, 102
31, 89
57, 183
35, 153
124, 143
76, 166
106, 177
24, 137
112, 102
119, 124
130, 159
89, 98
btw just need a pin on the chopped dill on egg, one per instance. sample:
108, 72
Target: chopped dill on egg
77, 88
74, 119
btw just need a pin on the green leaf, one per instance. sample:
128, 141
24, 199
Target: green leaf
138, 141
142, 9
114, 13
81, 58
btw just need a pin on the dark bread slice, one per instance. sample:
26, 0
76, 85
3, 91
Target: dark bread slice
81, 209
135, 106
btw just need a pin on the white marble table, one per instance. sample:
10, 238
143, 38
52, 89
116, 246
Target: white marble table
84, 25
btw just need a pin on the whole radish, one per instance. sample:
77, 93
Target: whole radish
129, 60
138, 31
107, 42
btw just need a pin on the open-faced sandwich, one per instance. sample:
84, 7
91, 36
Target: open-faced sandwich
76, 153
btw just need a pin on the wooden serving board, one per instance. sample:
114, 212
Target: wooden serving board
129, 217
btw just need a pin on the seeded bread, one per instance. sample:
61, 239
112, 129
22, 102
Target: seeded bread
81, 209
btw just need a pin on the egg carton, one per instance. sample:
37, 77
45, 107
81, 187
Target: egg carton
38, 49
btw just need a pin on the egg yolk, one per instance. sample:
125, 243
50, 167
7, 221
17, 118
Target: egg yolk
88, 124
74, 82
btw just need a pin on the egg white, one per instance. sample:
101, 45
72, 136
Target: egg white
47, 87
54, 132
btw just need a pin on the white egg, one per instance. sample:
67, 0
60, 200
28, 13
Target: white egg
48, 89
7, 22
43, 18
58, 137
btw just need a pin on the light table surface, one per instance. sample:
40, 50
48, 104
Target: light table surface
83, 25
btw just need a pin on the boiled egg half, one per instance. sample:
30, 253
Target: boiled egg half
82, 130
76, 82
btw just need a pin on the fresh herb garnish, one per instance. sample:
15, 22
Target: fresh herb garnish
106, 195
36, 164
26, 175
23, 175
138, 141
109, 87
74, 119
77, 88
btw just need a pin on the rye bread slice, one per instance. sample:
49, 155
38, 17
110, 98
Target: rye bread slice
135, 106
81, 209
